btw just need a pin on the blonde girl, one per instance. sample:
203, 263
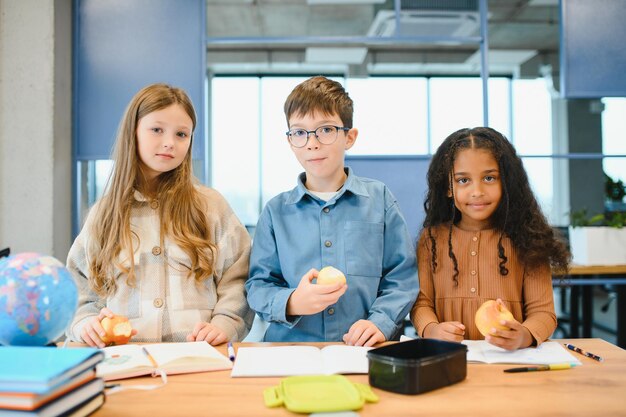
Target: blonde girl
158, 247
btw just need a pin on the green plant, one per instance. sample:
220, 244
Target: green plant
580, 218
614, 190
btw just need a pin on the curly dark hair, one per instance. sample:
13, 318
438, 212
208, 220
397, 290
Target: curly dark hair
518, 215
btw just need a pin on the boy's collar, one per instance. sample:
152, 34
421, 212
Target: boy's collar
352, 185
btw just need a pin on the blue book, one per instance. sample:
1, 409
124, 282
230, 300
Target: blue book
39, 369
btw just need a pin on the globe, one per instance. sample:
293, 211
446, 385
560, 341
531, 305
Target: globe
38, 299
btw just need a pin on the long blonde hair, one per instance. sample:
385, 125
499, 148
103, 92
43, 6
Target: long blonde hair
182, 211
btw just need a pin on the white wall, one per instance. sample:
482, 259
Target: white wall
35, 126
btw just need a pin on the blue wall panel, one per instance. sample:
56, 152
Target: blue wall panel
121, 46
593, 48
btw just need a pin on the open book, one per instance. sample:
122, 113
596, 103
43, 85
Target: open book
126, 361
548, 353
300, 360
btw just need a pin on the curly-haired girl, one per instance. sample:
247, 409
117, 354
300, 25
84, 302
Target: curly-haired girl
484, 238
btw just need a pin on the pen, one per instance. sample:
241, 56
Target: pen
582, 352
231, 351
555, 367
152, 361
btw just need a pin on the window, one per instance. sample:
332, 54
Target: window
613, 143
252, 162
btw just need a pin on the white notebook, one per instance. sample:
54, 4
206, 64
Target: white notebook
548, 353
300, 360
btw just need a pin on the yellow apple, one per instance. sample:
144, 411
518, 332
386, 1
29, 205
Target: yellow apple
489, 316
117, 330
330, 275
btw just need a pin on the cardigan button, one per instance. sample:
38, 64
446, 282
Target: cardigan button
156, 251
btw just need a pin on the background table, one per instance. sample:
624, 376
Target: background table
581, 280
596, 388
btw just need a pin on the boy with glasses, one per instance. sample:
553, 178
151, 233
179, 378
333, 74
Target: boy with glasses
331, 218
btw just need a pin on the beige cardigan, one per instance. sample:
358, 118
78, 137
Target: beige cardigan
165, 304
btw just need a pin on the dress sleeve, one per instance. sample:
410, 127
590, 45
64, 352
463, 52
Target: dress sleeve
423, 311
538, 297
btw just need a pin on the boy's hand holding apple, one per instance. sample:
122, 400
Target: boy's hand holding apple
309, 298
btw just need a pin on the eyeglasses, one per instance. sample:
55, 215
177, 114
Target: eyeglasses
326, 135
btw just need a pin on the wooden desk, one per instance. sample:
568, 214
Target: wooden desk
585, 277
594, 389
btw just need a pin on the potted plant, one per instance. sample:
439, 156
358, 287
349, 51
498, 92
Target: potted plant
599, 239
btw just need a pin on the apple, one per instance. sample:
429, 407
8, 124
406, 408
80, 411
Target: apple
489, 316
117, 330
330, 275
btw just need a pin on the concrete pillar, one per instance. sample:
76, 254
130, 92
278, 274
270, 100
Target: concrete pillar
35, 126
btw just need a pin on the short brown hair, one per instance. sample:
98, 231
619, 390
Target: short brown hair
322, 95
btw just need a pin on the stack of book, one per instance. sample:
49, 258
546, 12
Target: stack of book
49, 381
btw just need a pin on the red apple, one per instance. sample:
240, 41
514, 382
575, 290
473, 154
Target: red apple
489, 316
330, 275
117, 330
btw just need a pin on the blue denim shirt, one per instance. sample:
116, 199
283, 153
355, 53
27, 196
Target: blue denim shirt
359, 231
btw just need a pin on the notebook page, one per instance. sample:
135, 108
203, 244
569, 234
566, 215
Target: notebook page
277, 361
344, 359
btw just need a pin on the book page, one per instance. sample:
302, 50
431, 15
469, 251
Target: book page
187, 357
277, 361
123, 361
547, 353
344, 359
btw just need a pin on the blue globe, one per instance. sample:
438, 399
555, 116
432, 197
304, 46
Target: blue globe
38, 299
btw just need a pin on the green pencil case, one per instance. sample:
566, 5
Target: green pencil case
318, 394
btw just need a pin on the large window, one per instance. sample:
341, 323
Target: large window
252, 162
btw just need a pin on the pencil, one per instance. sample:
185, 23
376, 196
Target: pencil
584, 353
152, 361
553, 367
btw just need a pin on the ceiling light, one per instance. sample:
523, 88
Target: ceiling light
335, 55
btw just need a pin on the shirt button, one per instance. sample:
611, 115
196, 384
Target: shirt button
475, 238
154, 204
473, 272
331, 311
328, 243
158, 302
473, 289
473, 253
325, 209
156, 251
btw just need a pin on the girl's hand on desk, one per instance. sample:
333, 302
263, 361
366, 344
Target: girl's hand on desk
309, 298
516, 337
207, 332
363, 333
452, 331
